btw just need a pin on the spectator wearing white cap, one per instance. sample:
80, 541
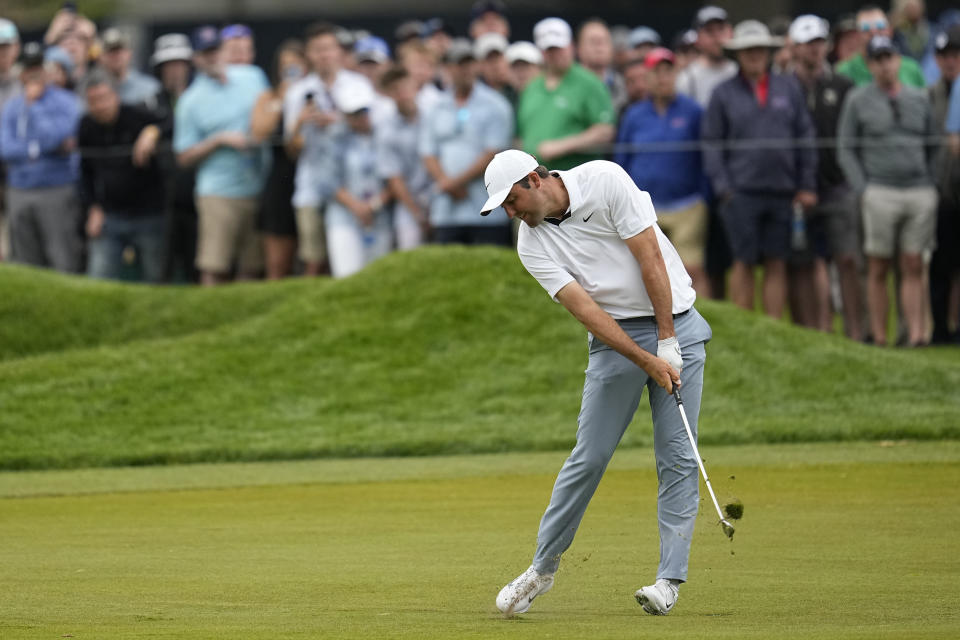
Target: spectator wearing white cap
566, 113
490, 51
832, 225
526, 63
309, 112
172, 64
461, 135
595, 53
133, 87
712, 67
372, 55
357, 220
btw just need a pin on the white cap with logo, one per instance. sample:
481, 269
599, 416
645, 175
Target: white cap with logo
552, 32
506, 169
807, 28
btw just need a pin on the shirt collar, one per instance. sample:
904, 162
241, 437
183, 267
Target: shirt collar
573, 192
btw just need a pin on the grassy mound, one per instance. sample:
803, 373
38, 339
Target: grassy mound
443, 350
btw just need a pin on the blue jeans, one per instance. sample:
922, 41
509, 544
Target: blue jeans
611, 394
145, 234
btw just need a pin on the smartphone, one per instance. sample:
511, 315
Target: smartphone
308, 98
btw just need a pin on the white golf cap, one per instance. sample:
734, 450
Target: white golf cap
8, 32
506, 168
552, 32
353, 97
807, 28
489, 43
171, 46
524, 51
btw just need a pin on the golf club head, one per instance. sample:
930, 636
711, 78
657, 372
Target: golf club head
727, 529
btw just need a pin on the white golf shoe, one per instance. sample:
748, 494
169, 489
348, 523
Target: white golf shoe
517, 596
658, 598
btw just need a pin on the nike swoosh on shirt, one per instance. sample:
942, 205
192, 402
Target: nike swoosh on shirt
587, 219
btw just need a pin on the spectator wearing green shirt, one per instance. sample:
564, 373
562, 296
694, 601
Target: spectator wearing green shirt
872, 21
564, 114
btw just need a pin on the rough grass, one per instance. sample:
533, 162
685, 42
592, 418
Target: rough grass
439, 351
838, 541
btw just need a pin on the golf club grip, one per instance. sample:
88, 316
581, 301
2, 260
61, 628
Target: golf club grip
676, 395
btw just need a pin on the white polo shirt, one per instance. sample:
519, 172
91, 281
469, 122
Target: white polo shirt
606, 208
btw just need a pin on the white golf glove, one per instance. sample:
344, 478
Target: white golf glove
669, 350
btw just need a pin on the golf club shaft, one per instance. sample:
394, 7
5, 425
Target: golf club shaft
696, 452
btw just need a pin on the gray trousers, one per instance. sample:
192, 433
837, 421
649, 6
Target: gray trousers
611, 395
45, 227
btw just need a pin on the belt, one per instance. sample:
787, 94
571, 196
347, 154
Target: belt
652, 318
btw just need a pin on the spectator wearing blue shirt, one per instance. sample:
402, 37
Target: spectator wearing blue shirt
673, 178
212, 131
37, 142
462, 133
134, 88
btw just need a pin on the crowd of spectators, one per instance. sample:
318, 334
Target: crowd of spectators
827, 155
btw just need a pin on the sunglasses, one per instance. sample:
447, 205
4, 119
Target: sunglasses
873, 26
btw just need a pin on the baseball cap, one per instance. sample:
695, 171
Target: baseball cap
459, 50
685, 40
658, 55
59, 55
353, 97
372, 49
947, 40
114, 39
169, 47
232, 31
8, 32
487, 6
807, 28
32, 55
409, 30
524, 51
506, 168
709, 14
489, 43
880, 45
552, 32
643, 35
436, 25
205, 38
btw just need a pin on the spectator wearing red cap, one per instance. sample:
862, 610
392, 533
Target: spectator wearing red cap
674, 178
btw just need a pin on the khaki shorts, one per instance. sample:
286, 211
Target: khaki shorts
898, 217
687, 231
227, 235
312, 242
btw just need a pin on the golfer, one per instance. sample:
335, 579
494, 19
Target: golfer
591, 240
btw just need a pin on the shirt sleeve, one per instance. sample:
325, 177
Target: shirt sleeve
551, 276
630, 209
848, 132
598, 108
427, 142
953, 113
186, 133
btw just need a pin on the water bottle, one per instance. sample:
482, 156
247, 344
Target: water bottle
798, 235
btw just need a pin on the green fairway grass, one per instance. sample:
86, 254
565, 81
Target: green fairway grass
438, 351
838, 540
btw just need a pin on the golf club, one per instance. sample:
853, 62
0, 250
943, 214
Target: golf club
726, 526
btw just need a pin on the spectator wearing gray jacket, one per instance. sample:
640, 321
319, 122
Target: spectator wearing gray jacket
758, 179
883, 149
